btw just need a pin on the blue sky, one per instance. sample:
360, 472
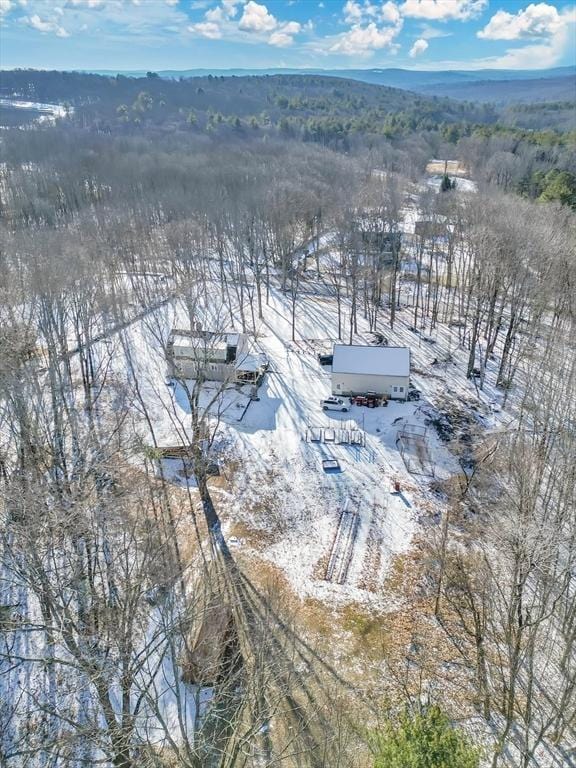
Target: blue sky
185, 34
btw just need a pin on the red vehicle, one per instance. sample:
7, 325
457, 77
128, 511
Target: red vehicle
370, 400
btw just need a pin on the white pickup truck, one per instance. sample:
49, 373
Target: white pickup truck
334, 404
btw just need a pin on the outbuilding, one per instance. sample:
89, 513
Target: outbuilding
357, 369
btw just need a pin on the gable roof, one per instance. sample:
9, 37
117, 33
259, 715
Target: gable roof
213, 339
379, 361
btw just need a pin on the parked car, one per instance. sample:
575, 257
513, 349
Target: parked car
413, 394
334, 404
325, 359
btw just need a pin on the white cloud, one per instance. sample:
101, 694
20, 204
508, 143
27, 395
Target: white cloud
355, 12
280, 39
229, 7
257, 18
419, 47
256, 24
364, 40
546, 54
206, 29
543, 54
45, 27
86, 3
390, 12
428, 32
537, 20
151, 20
443, 10
352, 12
5, 6
215, 14
222, 12
528, 57
372, 27
284, 35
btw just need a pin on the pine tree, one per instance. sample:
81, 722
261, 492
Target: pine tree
445, 184
423, 740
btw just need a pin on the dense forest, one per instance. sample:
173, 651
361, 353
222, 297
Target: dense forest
504, 148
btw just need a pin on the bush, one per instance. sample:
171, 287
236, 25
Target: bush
422, 740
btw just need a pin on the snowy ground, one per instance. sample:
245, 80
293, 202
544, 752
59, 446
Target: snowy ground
48, 112
276, 487
277, 503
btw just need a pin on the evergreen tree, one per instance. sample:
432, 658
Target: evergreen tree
445, 184
559, 185
423, 740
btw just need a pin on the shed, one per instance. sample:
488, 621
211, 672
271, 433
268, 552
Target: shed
357, 369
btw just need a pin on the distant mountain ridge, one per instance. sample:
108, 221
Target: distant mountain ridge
393, 77
531, 90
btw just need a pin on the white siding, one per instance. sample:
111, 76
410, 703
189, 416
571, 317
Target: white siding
243, 347
189, 369
395, 387
199, 351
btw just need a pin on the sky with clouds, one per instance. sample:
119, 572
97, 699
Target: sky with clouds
187, 34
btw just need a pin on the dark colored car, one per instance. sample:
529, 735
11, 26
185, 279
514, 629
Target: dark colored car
325, 359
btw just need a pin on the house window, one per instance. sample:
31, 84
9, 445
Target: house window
401, 389
395, 389
338, 386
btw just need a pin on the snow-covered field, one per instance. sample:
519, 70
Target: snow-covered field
48, 112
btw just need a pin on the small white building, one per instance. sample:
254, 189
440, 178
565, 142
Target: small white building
357, 369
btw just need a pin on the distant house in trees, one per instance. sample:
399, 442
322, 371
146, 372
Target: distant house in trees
451, 167
376, 235
213, 356
358, 369
429, 228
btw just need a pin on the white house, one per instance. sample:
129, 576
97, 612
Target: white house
358, 369
214, 356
